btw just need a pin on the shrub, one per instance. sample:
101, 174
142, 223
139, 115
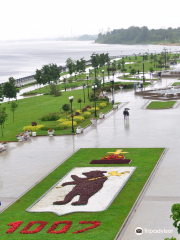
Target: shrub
50, 117
61, 120
78, 119
88, 106
34, 124
91, 110
33, 128
103, 104
85, 115
77, 113
54, 126
68, 124
84, 109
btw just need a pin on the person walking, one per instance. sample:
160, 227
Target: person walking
124, 113
127, 115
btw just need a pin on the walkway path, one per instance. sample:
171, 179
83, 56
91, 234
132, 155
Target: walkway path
25, 163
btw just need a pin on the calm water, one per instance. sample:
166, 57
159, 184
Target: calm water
22, 59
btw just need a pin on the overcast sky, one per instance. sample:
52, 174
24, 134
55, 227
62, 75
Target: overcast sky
22, 19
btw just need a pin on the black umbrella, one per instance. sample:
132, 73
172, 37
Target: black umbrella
127, 109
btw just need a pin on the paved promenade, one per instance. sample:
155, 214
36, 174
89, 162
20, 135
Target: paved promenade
25, 163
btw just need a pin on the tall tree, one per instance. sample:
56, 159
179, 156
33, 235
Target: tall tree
70, 65
9, 89
13, 107
3, 117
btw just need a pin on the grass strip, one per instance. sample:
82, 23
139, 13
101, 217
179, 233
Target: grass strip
160, 105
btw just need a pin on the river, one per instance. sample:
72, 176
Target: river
21, 59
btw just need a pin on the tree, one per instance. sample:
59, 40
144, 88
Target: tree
13, 107
133, 71
79, 101
54, 90
47, 74
82, 65
66, 108
9, 89
119, 65
1, 94
102, 59
151, 69
3, 117
70, 65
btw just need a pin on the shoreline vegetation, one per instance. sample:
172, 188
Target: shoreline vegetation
143, 35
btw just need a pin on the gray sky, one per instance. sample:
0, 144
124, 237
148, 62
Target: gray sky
22, 19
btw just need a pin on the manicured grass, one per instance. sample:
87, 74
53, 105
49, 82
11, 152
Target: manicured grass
159, 105
31, 109
111, 219
176, 84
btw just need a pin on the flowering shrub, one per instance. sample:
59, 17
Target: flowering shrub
61, 120
4, 142
94, 108
77, 113
63, 230
88, 106
33, 128
95, 224
84, 109
34, 124
103, 104
30, 224
50, 130
78, 119
88, 113
67, 124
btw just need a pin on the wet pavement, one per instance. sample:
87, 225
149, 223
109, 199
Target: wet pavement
26, 163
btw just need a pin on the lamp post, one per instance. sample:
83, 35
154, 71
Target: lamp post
103, 77
108, 69
143, 67
71, 100
94, 64
64, 80
94, 88
83, 91
87, 85
112, 82
165, 57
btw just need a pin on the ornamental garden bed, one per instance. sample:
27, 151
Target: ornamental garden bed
20, 224
161, 105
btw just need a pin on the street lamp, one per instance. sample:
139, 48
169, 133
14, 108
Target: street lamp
71, 100
94, 64
87, 85
143, 67
112, 82
83, 91
165, 57
94, 88
64, 80
103, 77
108, 69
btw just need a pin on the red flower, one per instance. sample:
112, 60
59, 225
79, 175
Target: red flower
95, 224
30, 224
14, 225
63, 230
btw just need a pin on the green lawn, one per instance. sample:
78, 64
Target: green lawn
111, 219
31, 109
176, 84
159, 105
